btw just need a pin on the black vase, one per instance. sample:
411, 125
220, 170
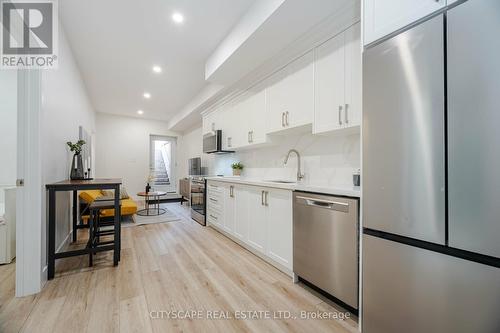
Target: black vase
77, 167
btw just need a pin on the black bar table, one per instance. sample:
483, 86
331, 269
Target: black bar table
75, 186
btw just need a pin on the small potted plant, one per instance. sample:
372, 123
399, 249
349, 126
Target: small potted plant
237, 167
77, 163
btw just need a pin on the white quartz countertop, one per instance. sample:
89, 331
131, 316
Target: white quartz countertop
353, 191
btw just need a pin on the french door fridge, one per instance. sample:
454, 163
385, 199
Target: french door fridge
431, 169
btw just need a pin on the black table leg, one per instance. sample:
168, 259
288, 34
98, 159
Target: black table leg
91, 238
117, 241
75, 215
52, 234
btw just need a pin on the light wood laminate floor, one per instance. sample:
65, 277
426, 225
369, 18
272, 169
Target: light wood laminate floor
177, 267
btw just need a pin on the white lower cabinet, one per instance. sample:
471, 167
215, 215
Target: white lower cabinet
258, 217
229, 212
241, 213
257, 233
279, 226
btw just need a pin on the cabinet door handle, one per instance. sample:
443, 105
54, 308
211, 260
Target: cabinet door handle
346, 114
231, 191
214, 217
287, 114
214, 200
251, 136
229, 142
283, 119
262, 198
340, 114
267, 198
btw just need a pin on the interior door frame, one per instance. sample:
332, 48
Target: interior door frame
172, 176
29, 271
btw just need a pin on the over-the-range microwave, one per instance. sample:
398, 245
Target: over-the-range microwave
212, 143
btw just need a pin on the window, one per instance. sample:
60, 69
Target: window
162, 163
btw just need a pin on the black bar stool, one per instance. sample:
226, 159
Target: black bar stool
99, 227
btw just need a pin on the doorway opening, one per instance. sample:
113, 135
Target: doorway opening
8, 170
162, 163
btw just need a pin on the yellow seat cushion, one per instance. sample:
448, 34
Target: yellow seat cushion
90, 195
129, 207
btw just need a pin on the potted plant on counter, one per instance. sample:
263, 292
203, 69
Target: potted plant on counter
237, 167
77, 163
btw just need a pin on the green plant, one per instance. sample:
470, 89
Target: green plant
237, 166
76, 147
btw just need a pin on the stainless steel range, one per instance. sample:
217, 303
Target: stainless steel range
198, 198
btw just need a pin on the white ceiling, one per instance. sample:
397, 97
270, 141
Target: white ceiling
116, 42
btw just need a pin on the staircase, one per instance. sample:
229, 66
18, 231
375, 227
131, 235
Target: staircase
160, 174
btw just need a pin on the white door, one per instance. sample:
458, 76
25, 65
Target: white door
330, 85
30, 235
241, 213
353, 76
257, 218
279, 226
229, 215
162, 163
383, 17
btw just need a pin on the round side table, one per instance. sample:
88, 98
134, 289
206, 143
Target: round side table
152, 203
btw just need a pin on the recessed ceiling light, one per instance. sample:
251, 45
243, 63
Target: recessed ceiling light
177, 17
157, 69
147, 95
140, 112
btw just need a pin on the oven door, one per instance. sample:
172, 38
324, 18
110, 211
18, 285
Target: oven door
198, 201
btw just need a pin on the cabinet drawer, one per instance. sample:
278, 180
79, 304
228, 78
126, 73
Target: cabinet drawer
216, 206
214, 189
214, 217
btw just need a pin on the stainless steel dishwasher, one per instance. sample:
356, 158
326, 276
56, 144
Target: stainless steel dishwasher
325, 244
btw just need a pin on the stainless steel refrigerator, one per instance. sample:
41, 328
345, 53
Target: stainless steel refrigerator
431, 175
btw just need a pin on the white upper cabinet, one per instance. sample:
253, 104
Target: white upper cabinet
329, 85
291, 95
209, 122
252, 119
338, 82
382, 17
353, 76
230, 132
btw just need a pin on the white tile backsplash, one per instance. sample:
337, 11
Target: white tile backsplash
326, 160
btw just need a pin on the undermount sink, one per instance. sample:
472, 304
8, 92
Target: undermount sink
282, 181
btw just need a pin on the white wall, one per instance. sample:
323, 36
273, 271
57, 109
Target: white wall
326, 160
123, 148
8, 129
65, 106
189, 145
